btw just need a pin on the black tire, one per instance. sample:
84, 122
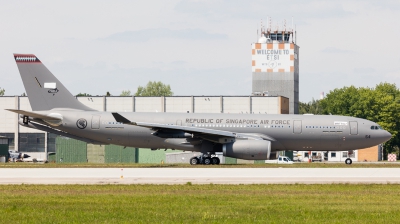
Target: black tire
207, 161
215, 160
194, 161
348, 161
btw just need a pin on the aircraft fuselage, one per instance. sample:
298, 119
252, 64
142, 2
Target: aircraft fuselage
287, 132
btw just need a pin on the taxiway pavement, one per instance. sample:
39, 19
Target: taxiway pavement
198, 175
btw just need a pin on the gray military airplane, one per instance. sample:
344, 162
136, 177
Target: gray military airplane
244, 136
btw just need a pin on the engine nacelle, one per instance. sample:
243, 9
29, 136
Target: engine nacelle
248, 149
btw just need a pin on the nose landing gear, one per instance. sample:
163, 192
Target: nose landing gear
206, 159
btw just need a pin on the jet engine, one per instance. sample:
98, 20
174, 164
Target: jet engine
248, 149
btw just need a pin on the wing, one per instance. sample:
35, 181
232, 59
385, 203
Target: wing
205, 133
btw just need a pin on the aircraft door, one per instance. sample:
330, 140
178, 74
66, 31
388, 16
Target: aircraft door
297, 127
353, 128
95, 122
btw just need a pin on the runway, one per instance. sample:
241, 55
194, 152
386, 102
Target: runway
198, 175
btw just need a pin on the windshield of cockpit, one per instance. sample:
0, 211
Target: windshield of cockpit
376, 127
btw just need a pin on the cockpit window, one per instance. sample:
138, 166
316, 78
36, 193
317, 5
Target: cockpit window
376, 128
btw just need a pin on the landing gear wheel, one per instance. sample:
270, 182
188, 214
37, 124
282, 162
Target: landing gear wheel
348, 161
207, 161
194, 161
215, 160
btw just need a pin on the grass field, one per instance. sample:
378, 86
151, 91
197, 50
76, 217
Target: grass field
188, 203
136, 165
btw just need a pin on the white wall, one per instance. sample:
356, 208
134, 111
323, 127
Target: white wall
236, 105
7, 118
207, 104
178, 104
265, 105
119, 104
93, 102
148, 104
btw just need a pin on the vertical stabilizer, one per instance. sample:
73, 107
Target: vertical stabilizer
44, 90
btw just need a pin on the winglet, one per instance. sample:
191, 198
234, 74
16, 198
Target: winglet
119, 118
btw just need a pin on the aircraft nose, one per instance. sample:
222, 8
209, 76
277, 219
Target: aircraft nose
387, 136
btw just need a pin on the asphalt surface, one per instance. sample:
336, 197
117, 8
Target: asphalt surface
199, 175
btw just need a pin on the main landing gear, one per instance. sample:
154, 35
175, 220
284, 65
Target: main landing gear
348, 161
206, 159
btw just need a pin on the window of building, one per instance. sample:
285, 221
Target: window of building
344, 154
51, 142
11, 139
333, 154
31, 142
306, 155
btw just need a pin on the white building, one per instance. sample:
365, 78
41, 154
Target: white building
38, 143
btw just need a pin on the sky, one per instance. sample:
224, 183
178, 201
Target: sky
197, 47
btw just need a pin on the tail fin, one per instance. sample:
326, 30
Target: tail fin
44, 90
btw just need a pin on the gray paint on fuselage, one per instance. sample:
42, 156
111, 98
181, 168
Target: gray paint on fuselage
327, 137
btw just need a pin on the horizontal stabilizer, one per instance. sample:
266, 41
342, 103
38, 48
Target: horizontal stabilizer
35, 115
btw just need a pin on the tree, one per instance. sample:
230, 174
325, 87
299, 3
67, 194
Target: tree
108, 94
379, 104
126, 93
313, 107
154, 89
2, 91
83, 94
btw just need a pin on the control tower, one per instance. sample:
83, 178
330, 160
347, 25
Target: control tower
275, 64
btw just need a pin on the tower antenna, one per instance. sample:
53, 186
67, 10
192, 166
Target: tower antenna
270, 26
292, 31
